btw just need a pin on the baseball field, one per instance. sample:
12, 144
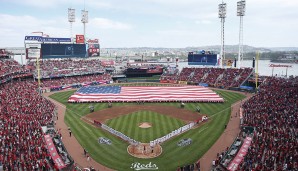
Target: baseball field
161, 122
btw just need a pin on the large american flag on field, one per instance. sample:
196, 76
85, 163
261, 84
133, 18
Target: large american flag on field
145, 94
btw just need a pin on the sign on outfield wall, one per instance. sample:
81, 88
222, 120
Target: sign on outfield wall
46, 39
32, 53
33, 45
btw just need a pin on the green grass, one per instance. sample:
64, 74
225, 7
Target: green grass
128, 125
115, 156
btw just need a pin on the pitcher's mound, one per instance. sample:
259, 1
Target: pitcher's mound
145, 125
144, 150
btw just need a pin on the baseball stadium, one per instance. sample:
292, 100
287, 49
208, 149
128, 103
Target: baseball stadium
68, 108
193, 119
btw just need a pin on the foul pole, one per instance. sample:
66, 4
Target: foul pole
257, 68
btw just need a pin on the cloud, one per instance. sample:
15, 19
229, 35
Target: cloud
98, 4
67, 3
17, 27
203, 22
153, 22
40, 4
104, 23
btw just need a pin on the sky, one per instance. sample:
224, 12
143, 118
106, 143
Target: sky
152, 23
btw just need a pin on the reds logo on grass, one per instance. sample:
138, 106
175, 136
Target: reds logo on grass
139, 166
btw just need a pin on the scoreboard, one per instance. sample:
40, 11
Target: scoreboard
202, 59
63, 50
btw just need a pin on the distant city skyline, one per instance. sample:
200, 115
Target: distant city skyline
152, 23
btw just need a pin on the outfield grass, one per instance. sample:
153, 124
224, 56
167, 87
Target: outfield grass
115, 156
161, 125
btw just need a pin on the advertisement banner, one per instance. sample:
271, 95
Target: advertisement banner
94, 41
240, 155
33, 45
93, 52
183, 82
93, 46
80, 39
53, 152
45, 39
32, 53
107, 63
227, 62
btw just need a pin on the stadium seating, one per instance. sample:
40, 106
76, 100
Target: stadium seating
216, 77
198, 75
273, 116
10, 68
23, 112
68, 67
185, 73
242, 77
169, 77
48, 83
228, 77
213, 74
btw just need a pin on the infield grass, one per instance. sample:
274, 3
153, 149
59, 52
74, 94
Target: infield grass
129, 125
115, 156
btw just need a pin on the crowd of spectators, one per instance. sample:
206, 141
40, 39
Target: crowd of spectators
243, 75
274, 114
228, 77
186, 73
213, 74
190, 167
23, 112
66, 67
63, 81
11, 68
217, 77
192, 74
170, 76
198, 75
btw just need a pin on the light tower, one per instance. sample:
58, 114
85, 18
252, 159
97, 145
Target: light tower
241, 13
71, 19
222, 12
84, 21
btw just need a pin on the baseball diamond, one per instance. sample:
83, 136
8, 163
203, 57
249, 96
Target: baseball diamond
165, 117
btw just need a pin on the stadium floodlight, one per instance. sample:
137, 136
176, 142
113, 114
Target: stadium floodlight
71, 15
240, 12
222, 10
84, 21
84, 16
222, 13
241, 8
71, 19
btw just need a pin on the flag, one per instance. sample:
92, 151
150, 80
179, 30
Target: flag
145, 94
